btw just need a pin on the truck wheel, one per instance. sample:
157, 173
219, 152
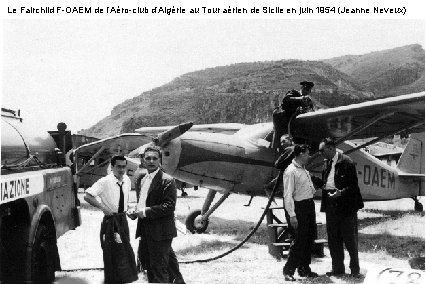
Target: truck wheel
195, 224
42, 262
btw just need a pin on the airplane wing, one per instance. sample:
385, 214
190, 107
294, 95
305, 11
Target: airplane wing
91, 160
225, 128
377, 118
116, 145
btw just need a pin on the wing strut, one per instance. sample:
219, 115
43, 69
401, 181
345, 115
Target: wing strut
94, 168
380, 138
357, 130
365, 126
91, 159
316, 154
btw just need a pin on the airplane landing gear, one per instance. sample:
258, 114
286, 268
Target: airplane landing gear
182, 188
198, 220
195, 223
248, 204
417, 205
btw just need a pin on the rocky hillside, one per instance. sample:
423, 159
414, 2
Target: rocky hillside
247, 92
388, 72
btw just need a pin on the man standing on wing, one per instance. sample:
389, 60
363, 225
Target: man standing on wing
293, 103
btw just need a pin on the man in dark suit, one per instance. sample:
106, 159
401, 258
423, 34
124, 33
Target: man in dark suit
156, 223
341, 199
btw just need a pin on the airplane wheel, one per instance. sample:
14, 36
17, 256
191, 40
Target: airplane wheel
195, 224
184, 194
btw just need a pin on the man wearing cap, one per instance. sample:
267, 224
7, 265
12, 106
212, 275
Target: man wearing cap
293, 102
294, 99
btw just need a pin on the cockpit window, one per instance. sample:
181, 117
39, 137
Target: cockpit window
255, 131
258, 134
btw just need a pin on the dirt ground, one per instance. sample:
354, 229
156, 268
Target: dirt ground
390, 233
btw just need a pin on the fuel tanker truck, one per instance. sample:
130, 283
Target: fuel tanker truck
38, 199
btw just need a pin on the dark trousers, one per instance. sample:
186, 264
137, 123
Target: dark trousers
121, 220
119, 258
300, 249
159, 259
290, 230
342, 230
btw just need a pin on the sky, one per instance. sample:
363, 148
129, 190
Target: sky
77, 70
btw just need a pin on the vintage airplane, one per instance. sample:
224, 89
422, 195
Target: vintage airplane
93, 168
235, 158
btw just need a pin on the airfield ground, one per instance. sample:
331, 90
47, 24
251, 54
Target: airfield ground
390, 233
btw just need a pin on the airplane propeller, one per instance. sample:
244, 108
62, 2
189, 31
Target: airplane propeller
165, 137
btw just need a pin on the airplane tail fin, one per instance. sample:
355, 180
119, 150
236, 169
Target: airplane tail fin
412, 160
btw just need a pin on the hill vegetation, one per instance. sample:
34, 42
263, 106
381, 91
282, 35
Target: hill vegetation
248, 92
388, 72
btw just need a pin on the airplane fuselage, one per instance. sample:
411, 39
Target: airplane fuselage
243, 164
219, 161
378, 180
